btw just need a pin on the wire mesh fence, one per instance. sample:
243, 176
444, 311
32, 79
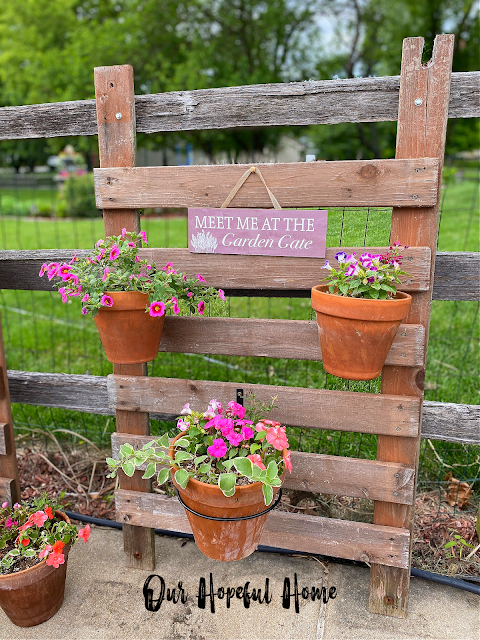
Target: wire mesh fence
42, 334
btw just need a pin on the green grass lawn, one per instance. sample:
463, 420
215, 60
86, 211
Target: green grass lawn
41, 334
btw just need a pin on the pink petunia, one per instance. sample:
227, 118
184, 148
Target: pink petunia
132, 245
114, 252
201, 307
85, 533
86, 298
175, 307
9, 523
157, 309
55, 559
43, 269
85, 311
124, 233
105, 274
52, 270
221, 294
256, 460
200, 278
63, 293
106, 301
189, 294
39, 518
137, 259
218, 449
143, 235
63, 271
277, 438
167, 267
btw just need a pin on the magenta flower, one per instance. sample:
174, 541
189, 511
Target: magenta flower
64, 271
85, 311
352, 270
143, 235
137, 259
175, 307
124, 233
52, 270
131, 245
43, 269
99, 242
157, 309
72, 278
4, 505
114, 252
86, 298
218, 449
190, 294
234, 438
63, 293
10, 523
184, 278
236, 409
201, 307
105, 274
167, 267
247, 433
106, 301
221, 294
200, 278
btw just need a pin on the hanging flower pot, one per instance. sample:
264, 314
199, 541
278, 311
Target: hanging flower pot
356, 333
227, 465
128, 334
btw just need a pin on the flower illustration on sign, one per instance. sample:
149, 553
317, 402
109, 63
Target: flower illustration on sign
204, 242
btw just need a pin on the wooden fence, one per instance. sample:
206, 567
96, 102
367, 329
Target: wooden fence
420, 100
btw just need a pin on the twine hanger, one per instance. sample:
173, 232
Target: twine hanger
235, 189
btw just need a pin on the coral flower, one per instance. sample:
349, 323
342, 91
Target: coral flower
106, 301
257, 460
58, 546
49, 512
55, 559
156, 309
114, 252
218, 449
45, 551
287, 461
25, 542
277, 438
85, 533
39, 518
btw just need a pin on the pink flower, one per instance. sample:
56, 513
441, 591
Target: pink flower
186, 411
257, 460
124, 233
114, 253
85, 311
184, 278
189, 294
64, 271
52, 270
43, 269
10, 523
71, 278
200, 278
55, 559
182, 425
233, 437
236, 409
247, 433
137, 259
99, 242
86, 298
218, 449
45, 551
156, 309
143, 235
39, 518
287, 461
101, 254
85, 533
105, 274
201, 307
4, 505
175, 307
131, 245
167, 267
221, 294
106, 301
277, 438
63, 293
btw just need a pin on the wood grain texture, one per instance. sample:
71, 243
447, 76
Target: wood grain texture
3, 438
440, 420
349, 183
117, 144
302, 533
7, 491
294, 103
8, 457
421, 132
291, 339
317, 408
332, 475
19, 270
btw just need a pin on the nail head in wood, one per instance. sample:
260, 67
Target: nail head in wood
118, 116
418, 102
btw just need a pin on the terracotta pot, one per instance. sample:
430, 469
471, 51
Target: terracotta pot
226, 541
356, 333
129, 335
34, 595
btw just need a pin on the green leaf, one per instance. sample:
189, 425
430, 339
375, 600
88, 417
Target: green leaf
254, 447
226, 482
149, 471
163, 441
182, 455
182, 478
29, 553
111, 462
127, 449
267, 493
272, 470
182, 442
199, 460
163, 475
233, 452
243, 466
129, 469
260, 435
204, 468
14, 552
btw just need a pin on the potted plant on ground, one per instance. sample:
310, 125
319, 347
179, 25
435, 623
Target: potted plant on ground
35, 539
359, 312
128, 296
227, 465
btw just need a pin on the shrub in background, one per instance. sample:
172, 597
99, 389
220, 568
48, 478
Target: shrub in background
77, 198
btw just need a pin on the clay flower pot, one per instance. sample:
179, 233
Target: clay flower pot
356, 333
129, 335
223, 540
34, 595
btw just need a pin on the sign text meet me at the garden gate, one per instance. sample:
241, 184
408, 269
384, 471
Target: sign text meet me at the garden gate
267, 232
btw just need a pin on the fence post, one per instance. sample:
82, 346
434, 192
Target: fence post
115, 99
422, 122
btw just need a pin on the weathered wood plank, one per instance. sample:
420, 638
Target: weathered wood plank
440, 420
8, 457
317, 408
294, 103
332, 475
19, 270
349, 183
306, 534
3, 438
291, 339
7, 491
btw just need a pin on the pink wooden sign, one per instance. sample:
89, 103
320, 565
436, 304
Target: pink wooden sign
261, 232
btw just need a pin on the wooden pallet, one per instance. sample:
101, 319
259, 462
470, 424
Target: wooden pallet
410, 184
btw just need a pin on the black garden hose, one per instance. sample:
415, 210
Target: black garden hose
417, 573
